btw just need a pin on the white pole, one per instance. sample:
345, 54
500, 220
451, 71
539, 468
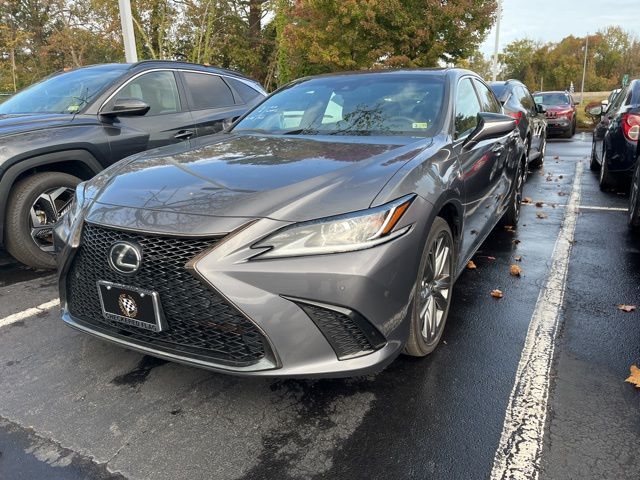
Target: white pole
584, 69
494, 66
130, 53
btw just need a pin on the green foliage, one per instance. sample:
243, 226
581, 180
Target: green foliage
272, 40
554, 66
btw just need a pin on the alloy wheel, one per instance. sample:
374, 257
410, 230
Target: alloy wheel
47, 209
435, 288
633, 199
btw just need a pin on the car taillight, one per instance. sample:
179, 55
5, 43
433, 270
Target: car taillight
516, 115
631, 126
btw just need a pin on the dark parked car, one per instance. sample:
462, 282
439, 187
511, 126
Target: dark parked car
634, 197
615, 137
561, 112
321, 236
519, 104
71, 125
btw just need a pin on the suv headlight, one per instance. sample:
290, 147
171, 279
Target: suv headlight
342, 233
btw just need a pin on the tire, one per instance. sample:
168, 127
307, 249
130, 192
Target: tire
594, 166
606, 179
512, 215
424, 335
539, 162
25, 195
634, 200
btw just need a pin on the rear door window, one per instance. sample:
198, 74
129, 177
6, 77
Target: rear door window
467, 108
207, 91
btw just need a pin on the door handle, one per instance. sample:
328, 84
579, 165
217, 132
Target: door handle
184, 134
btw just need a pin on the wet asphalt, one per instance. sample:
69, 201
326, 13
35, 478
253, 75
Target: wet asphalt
74, 407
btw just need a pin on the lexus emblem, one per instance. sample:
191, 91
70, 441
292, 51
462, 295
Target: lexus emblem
125, 258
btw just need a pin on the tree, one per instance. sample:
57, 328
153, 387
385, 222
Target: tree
330, 35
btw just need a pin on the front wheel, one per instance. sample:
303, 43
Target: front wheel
606, 179
512, 215
430, 306
594, 166
634, 200
35, 204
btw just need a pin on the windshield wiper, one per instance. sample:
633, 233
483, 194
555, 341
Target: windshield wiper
298, 131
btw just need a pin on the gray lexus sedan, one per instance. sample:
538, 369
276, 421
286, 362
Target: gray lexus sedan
320, 236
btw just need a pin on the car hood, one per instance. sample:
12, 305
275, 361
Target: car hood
18, 123
252, 176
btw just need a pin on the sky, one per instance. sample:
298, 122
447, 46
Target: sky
552, 20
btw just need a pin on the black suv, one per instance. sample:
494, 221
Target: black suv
518, 103
73, 124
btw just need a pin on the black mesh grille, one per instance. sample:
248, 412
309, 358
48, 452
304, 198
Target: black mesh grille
201, 323
342, 331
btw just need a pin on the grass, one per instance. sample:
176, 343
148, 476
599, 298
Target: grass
584, 121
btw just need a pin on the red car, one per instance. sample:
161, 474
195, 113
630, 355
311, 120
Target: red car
560, 111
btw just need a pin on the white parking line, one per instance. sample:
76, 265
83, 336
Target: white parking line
604, 209
29, 312
519, 451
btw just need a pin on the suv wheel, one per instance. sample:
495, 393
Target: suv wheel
35, 204
538, 162
512, 215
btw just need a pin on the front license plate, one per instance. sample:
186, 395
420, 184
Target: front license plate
132, 306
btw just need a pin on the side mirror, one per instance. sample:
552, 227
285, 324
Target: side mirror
596, 111
490, 125
127, 107
540, 108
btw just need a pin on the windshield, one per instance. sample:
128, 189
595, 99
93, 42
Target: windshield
373, 104
552, 99
65, 93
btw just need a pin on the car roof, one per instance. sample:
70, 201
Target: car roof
432, 72
148, 64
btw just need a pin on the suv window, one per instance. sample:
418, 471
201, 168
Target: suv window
157, 89
207, 91
487, 99
467, 108
246, 93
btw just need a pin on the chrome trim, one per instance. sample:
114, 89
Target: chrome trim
261, 365
119, 264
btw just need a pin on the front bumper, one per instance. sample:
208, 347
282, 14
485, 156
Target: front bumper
559, 125
376, 285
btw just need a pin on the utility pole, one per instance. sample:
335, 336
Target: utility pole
584, 69
128, 36
494, 64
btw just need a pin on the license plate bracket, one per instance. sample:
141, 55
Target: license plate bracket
131, 306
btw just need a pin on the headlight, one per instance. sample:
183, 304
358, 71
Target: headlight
342, 233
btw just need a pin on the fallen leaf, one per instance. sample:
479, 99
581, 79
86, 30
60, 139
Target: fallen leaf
474, 232
498, 294
634, 378
556, 157
562, 194
553, 205
549, 178
526, 200
515, 270
471, 265
542, 215
627, 308
518, 258
516, 241
539, 204
560, 177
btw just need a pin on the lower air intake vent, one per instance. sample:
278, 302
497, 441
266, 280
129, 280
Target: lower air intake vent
348, 332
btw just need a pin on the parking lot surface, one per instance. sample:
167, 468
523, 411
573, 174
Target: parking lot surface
73, 407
